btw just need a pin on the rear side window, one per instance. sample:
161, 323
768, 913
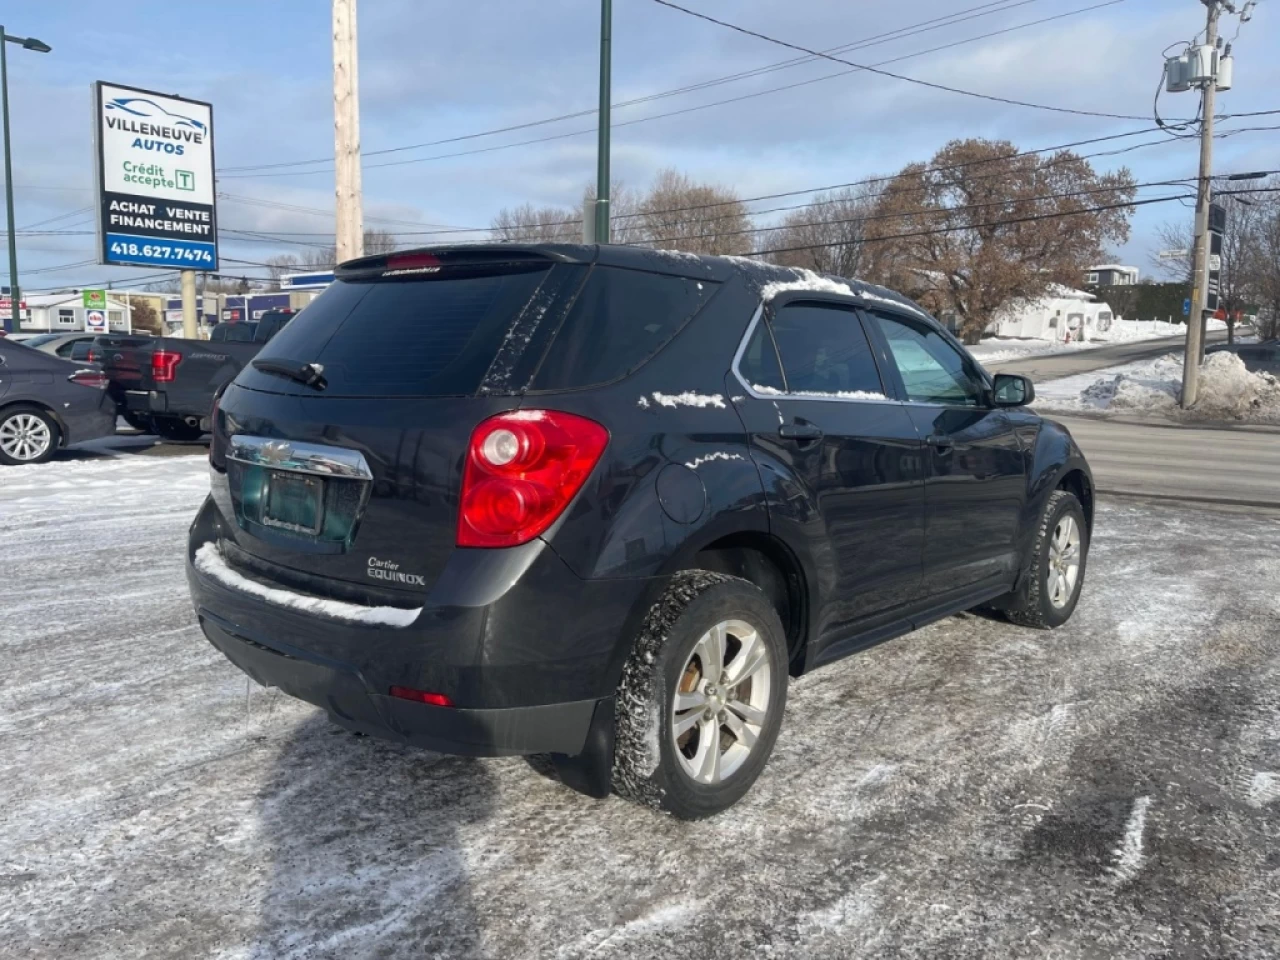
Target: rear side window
620, 320
825, 351
759, 363
418, 337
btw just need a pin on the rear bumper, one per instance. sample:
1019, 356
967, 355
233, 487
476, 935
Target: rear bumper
528, 653
346, 695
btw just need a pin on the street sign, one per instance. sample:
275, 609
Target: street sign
1186, 307
1213, 284
95, 321
155, 193
1173, 254
95, 299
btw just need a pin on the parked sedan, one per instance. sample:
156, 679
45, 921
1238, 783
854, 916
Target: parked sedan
1258, 357
47, 403
59, 344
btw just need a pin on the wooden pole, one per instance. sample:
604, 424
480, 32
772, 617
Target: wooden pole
349, 226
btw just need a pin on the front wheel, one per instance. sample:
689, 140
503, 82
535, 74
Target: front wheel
27, 435
1055, 572
702, 696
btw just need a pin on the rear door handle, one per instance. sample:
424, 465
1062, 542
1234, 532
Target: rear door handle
800, 431
939, 441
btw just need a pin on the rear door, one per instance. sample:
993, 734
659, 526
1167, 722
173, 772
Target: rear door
976, 473
818, 406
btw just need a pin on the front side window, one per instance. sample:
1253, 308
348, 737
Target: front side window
932, 370
825, 352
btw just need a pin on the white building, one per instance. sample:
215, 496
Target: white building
65, 313
1061, 314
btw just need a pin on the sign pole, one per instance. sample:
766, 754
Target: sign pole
189, 328
14, 293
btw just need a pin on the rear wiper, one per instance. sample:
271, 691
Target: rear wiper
307, 374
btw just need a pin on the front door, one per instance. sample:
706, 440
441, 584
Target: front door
818, 409
976, 469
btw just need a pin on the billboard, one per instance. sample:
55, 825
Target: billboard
155, 179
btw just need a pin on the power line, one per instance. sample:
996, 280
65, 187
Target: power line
900, 33
693, 109
895, 76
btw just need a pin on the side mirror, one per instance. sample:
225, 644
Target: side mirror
1011, 390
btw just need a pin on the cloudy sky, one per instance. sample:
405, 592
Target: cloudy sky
435, 73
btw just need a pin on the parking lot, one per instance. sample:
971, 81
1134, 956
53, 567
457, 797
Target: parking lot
975, 790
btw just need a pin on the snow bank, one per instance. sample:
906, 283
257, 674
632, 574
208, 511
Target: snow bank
209, 562
1228, 391
995, 350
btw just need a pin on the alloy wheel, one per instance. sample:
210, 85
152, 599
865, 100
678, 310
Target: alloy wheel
721, 702
1064, 562
24, 436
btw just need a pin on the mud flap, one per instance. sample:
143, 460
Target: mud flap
591, 771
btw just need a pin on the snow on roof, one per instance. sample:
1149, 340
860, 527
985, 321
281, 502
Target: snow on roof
809, 281
60, 299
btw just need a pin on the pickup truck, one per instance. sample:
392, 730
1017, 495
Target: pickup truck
166, 385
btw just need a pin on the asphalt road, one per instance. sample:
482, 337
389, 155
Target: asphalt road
1153, 458
1058, 365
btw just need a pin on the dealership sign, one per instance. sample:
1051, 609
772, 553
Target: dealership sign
155, 179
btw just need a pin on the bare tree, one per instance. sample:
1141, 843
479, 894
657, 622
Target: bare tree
979, 227
281, 264
143, 316
529, 224
679, 213
1238, 264
1263, 261
379, 242
829, 232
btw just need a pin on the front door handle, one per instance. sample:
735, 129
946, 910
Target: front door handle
939, 441
800, 431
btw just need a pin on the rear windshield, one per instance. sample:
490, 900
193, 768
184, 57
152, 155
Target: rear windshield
439, 335
234, 332
420, 337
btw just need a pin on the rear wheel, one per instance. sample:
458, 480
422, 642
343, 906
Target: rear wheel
1055, 571
702, 696
27, 435
138, 421
171, 428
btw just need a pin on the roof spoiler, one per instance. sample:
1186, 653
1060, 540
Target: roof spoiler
424, 261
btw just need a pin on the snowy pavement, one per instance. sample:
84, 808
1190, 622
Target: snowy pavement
975, 790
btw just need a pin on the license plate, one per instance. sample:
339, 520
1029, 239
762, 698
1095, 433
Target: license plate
294, 502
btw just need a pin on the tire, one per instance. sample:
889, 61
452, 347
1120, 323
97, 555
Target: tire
138, 421
654, 766
1041, 602
171, 428
27, 435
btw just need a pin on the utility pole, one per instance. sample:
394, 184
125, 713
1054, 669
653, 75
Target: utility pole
602, 145
349, 226
15, 294
1196, 322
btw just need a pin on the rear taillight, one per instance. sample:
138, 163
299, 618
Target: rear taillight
163, 365
90, 378
421, 696
522, 470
